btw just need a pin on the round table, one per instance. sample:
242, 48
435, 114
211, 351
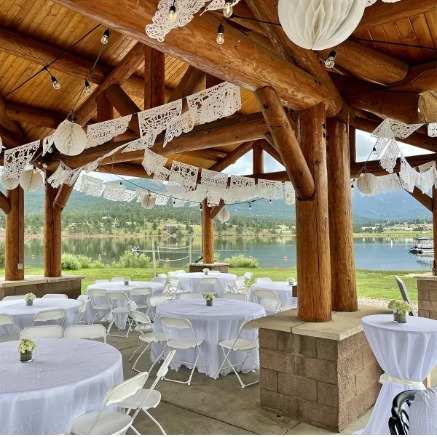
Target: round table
282, 288
23, 314
156, 287
190, 281
67, 378
211, 324
407, 352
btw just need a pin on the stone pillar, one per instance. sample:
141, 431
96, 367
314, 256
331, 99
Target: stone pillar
427, 291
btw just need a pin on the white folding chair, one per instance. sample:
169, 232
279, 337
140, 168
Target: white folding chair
83, 297
154, 302
160, 279
268, 299
248, 277
238, 344
405, 295
236, 296
101, 281
171, 287
110, 422
14, 297
86, 331
162, 275
147, 398
98, 302
119, 306
117, 279
238, 286
180, 272
45, 331
55, 296
81, 311
148, 336
263, 280
141, 296
209, 285
56, 315
7, 321
183, 296
174, 342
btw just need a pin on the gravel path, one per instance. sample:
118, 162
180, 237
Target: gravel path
379, 302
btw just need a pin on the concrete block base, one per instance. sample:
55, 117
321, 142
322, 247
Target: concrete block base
427, 291
324, 374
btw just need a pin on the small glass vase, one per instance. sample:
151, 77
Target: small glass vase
209, 303
401, 317
26, 357
29, 302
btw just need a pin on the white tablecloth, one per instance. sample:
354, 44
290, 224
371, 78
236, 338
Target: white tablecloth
282, 288
405, 351
212, 325
156, 287
191, 281
67, 378
23, 314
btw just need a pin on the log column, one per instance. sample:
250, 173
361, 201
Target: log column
207, 234
258, 158
312, 223
14, 250
343, 285
434, 227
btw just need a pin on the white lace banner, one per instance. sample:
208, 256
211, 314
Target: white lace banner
388, 184
160, 174
129, 195
91, 186
213, 179
178, 203
432, 130
388, 161
218, 4
16, 159
241, 187
289, 193
47, 144
184, 174
392, 128
161, 200
100, 133
426, 177
408, 175
152, 161
183, 123
62, 173
272, 190
114, 191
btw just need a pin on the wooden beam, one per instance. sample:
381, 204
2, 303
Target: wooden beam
207, 234
285, 142
238, 60
216, 209
273, 176
422, 198
121, 72
11, 125
258, 158
380, 12
124, 169
190, 83
10, 139
105, 110
154, 78
420, 78
33, 115
267, 145
5, 203
307, 60
233, 157
210, 154
434, 228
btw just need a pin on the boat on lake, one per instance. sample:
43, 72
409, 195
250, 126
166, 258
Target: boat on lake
424, 245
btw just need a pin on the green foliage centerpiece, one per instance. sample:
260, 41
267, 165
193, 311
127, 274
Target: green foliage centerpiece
209, 298
26, 346
400, 309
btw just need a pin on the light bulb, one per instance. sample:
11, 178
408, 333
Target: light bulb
330, 62
105, 38
228, 10
87, 87
172, 13
220, 34
56, 85
250, 205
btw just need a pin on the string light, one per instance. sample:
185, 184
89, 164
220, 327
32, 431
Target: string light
330, 62
220, 34
250, 205
56, 85
105, 38
228, 10
88, 89
172, 14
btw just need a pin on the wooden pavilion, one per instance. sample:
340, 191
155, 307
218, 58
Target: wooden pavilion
293, 108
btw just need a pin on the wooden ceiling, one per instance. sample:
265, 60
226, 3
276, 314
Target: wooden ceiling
371, 80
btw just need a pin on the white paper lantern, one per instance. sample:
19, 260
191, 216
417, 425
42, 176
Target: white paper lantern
69, 138
223, 215
320, 24
9, 183
148, 201
31, 180
367, 184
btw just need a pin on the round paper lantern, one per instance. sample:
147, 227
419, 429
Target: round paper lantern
148, 202
9, 183
320, 24
367, 184
69, 138
223, 215
31, 180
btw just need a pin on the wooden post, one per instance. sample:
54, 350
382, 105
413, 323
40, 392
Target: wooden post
14, 250
207, 234
312, 223
154, 75
49, 231
153, 256
258, 159
343, 284
434, 227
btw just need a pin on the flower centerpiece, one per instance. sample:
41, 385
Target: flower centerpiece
29, 297
206, 271
400, 309
291, 281
26, 346
126, 280
209, 299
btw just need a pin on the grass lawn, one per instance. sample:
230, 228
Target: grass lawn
370, 283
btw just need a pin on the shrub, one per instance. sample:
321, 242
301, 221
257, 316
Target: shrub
2, 253
84, 261
242, 261
128, 259
69, 262
98, 263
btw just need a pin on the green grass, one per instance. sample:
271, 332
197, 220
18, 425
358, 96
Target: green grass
370, 283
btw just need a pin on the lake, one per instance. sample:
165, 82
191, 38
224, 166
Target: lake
370, 253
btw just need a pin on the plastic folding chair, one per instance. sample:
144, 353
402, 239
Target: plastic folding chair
6, 320
147, 398
55, 296
90, 332
208, 285
263, 280
183, 296
405, 295
119, 306
174, 342
154, 302
268, 299
160, 279
82, 310
236, 296
238, 344
14, 297
98, 302
248, 277
117, 279
56, 315
141, 296
109, 422
45, 331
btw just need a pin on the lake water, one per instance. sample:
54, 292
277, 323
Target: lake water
370, 253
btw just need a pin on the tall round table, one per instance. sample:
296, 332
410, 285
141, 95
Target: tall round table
23, 314
407, 352
282, 288
67, 378
211, 324
191, 281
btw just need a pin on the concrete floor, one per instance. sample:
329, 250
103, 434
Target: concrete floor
211, 406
